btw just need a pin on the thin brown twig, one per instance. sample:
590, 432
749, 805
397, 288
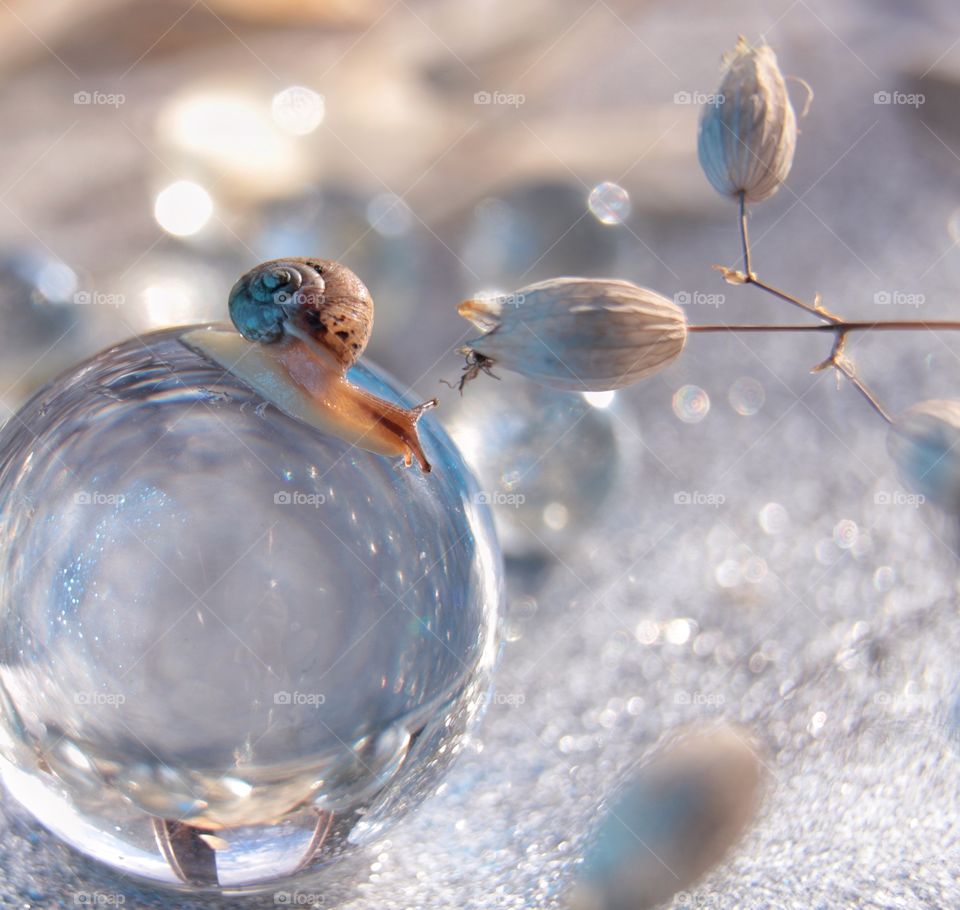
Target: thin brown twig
748, 276
745, 236
907, 325
831, 322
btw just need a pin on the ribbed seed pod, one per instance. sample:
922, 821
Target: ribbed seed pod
677, 815
748, 133
924, 442
579, 334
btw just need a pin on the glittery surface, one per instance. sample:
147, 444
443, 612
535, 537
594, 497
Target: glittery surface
759, 563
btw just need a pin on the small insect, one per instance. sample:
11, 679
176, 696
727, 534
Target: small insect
477, 363
303, 323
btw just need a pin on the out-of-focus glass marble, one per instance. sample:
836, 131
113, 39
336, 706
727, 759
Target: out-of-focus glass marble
214, 614
375, 236
747, 396
535, 231
547, 461
691, 403
173, 285
609, 203
40, 299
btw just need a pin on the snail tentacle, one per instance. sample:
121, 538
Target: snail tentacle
304, 322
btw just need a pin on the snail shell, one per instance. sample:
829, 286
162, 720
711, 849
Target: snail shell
303, 323
319, 298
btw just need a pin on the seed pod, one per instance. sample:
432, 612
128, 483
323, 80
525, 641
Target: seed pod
579, 334
748, 132
924, 442
676, 816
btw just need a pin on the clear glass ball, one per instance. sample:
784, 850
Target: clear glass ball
231, 646
548, 462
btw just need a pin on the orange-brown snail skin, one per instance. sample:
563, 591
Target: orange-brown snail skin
304, 322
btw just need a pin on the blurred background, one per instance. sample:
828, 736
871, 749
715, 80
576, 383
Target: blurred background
154, 151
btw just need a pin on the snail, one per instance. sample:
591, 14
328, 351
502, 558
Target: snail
303, 323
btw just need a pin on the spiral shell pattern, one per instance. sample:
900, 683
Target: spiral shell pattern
320, 297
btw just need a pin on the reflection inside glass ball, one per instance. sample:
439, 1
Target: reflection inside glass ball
547, 461
224, 634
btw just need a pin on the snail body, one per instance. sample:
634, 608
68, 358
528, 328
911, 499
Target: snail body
302, 324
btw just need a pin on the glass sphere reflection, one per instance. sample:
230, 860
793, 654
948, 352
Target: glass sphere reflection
547, 461
225, 630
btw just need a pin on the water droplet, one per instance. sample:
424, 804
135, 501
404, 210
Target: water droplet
754, 569
678, 631
609, 203
817, 722
773, 518
56, 281
728, 573
747, 396
183, 208
555, 516
953, 226
826, 551
884, 578
298, 110
691, 403
647, 632
845, 533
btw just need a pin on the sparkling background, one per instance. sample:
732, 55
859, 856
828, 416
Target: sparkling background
758, 562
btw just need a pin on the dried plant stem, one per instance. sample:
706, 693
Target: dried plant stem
908, 325
830, 322
841, 330
749, 276
745, 236
848, 370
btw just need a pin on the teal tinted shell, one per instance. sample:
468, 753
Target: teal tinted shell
261, 300
321, 297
